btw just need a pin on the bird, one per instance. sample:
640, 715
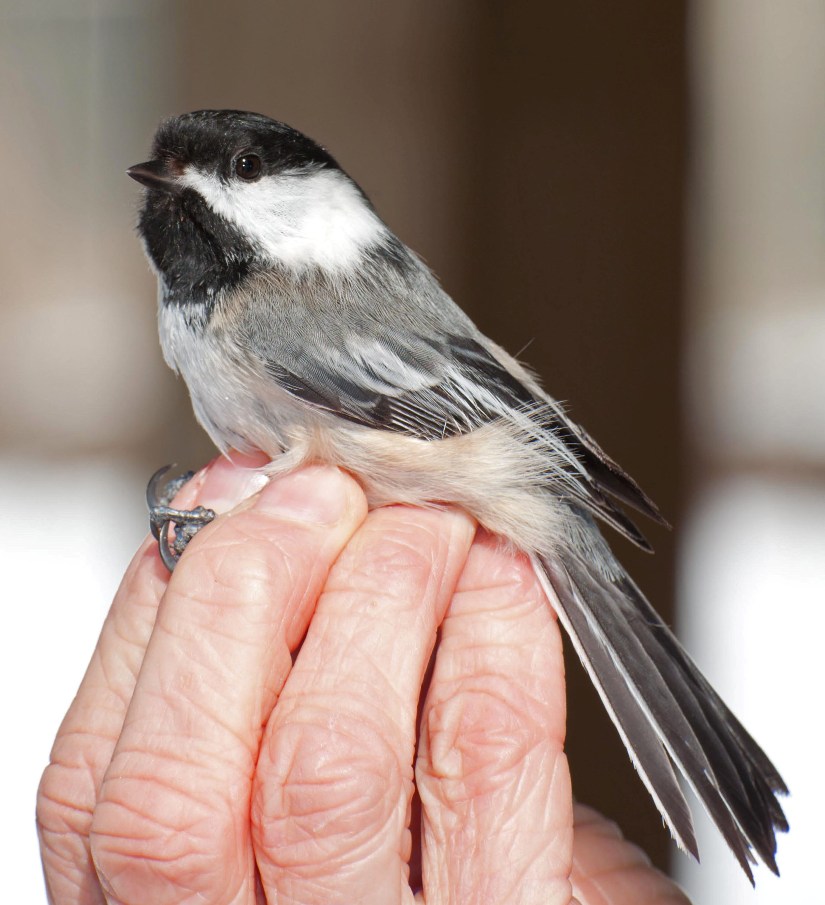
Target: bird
305, 328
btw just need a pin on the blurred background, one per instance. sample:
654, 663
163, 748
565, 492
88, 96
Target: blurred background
632, 196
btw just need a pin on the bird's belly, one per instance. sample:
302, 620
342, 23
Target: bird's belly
484, 472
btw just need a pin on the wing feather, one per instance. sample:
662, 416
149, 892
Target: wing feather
435, 389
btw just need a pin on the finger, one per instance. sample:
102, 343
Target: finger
334, 779
172, 823
609, 870
491, 771
86, 739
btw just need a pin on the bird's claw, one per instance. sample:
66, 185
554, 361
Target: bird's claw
187, 522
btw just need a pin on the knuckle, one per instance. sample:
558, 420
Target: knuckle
396, 554
326, 790
238, 585
65, 799
480, 739
403, 550
149, 838
240, 561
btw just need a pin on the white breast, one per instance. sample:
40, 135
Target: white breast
236, 406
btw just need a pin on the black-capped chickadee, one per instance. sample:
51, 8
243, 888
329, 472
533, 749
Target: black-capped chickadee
305, 328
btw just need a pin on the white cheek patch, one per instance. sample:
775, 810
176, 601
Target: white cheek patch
300, 220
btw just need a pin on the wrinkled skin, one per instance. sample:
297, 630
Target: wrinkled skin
198, 763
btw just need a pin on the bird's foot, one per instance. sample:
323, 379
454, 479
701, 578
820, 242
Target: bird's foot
187, 522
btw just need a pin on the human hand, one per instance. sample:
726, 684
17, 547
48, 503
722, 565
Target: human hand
198, 763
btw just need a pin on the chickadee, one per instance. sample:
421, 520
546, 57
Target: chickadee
305, 328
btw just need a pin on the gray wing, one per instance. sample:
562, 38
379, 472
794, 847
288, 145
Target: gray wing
427, 388
433, 387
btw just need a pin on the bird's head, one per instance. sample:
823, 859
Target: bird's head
230, 193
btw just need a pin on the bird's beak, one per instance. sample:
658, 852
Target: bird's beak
156, 174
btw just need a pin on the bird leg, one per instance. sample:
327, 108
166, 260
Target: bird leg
187, 522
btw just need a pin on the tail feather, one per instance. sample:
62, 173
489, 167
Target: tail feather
752, 789
641, 740
665, 710
706, 694
687, 731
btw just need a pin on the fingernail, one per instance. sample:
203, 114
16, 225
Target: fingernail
227, 484
318, 495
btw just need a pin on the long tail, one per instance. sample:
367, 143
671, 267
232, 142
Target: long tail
665, 710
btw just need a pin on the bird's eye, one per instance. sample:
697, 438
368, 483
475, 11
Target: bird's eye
248, 166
